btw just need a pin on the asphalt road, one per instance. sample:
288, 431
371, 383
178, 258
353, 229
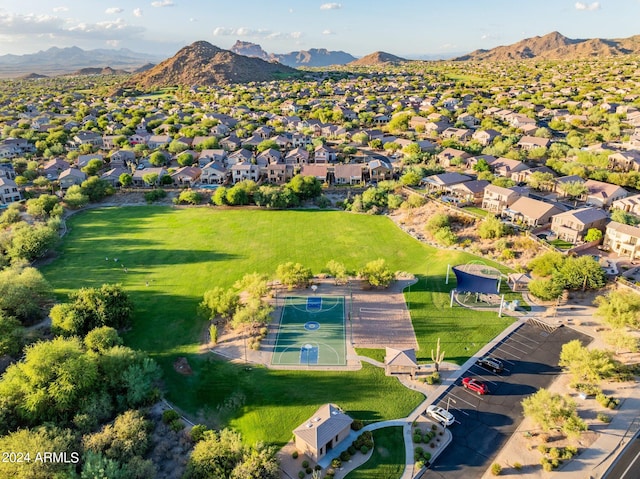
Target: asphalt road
483, 423
627, 465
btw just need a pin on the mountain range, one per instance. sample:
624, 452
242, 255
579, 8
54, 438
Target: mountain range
555, 46
314, 57
202, 63
56, 61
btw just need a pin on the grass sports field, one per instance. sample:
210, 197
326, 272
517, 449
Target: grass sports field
172, 256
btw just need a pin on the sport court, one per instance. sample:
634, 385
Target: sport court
311, 332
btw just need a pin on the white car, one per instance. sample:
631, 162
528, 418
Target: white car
443, 416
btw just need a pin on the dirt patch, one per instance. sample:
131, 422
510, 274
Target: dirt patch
181, 366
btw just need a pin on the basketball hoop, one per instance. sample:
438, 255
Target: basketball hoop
314, 288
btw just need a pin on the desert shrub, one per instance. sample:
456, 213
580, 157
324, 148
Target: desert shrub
169, 416
294, 454
345, 456
496, 469
301, 474
197, 432
554, 453
305, 464
417, 438
352, 450
176, 425
364, 449
154, 195
357, 424
308, 470
607, 401
546, 464
336, 463
542, 449
517, 466
569, 452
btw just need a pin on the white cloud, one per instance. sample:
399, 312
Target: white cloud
137, 12
113, 10
328, 32
489, 36
590, 6
253, 33
330, 6
113, 43
11, 23
60, 9
162, 3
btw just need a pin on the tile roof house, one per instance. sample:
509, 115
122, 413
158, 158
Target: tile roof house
350, 174
444, 181
70, 177
622, 239
531, 142
139, 175
326, 428
8, 191
485, 137
506, 166
112, 176
625, 161
573, 225
603, 194
186, 176
630, 204
213, 172
317, 171
448, 154
245, 171
400, 361
470, 191
496, 198
531, 212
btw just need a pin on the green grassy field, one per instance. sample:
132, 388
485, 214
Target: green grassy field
173, 255
387, 460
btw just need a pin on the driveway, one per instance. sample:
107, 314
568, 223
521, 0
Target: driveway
483, 423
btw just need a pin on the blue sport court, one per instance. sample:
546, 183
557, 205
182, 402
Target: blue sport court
311, 332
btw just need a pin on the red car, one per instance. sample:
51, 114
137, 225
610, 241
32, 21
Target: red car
475, 385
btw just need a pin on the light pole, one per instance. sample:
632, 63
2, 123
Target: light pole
448, 401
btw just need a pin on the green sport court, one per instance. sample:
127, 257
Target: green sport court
311, 332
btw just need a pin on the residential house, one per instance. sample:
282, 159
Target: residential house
317, 171
469, 121
214, 173
112, 176
158, 141
444, 181
448, 154
278, 173
530, 212
625, 161
622, 239
496, 198
485, 137
70, 177
83, 160
244, 171
52, 168
297, 156
506, 166
400, 361
562, 180
531, 142
323, 431
459, 134
9, 192
349, 174
470, 191
523, 176
238, 156
209, 155
379, 170
324, 154
269, 156
231, 143
186, 176
87, 138
122, 158
603, 194
7, 171
630, 204
139, 175
419, 122
573, 225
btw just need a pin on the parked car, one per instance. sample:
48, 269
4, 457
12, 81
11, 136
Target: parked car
492, 364
475, 386
443, 416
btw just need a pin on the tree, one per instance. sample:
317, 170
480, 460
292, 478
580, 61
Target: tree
127, 437
102, 338
445, 236
481, 165
338, 271
293, 275
586, 365
411, 178
437, 221
257, 463
50, 382
573, 189
91, 308
376, 273
96, 188
253, 310
185, 159
546, 264
157, 158
545, 289
150, 179
92, 166
11, 335
37, 441
266, 145
492, 227
305, 187
553, 411
75, 197
125, 179
23, 292
219, 302
216, 455
219, 198
582, 272
541, 180
31, 242
593, 234
190, 197
254, 284
623, 217
44, 206
619, 308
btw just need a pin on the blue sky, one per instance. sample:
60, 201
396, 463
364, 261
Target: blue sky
402, 27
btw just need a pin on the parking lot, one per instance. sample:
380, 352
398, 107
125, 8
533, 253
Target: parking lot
483, 423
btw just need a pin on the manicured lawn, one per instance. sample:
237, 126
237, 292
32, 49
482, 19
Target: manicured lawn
377, 354
173, 255
387, 460
476, 210
561, 244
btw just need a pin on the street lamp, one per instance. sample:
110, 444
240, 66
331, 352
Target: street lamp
448, 401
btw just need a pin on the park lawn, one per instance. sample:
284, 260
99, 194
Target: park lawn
172, 256
387, 460
377, 354
267, 404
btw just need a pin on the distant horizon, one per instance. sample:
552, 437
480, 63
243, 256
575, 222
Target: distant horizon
359, 27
